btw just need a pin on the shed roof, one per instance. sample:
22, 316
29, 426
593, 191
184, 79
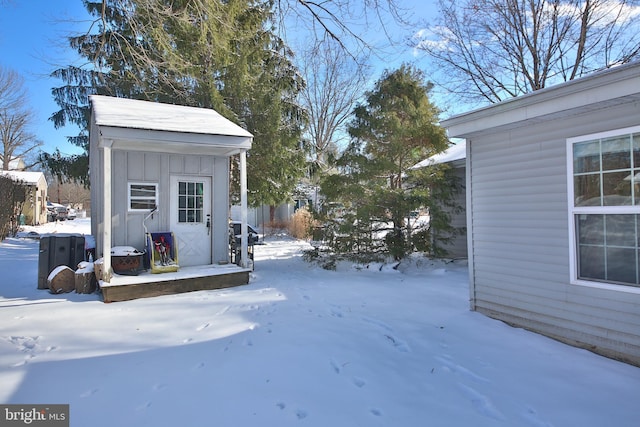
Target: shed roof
152, 126
136, 114
28, 177
453, 153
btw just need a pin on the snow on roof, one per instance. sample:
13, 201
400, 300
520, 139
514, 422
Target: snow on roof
135, 114
455, 152
28, 177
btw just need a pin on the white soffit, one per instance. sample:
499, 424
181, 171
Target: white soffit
611, 87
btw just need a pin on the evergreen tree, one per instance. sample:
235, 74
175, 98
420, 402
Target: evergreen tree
204, 53
396, 128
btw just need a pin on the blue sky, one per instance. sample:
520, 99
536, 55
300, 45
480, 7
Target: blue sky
32, 37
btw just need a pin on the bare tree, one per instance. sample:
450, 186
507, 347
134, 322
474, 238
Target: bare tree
496, 49
69, 193
16, 119
348, 23
334, 82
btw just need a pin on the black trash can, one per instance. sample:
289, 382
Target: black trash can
57, 250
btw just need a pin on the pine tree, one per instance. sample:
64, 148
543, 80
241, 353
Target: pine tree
204, 53
396, 128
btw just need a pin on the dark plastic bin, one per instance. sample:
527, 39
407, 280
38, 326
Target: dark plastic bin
57, 250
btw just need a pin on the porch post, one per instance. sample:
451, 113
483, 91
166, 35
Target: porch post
106, 213
244, 240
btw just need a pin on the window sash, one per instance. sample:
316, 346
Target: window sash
602, 202
143, 196
190, 202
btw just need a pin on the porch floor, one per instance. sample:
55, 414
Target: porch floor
187, 279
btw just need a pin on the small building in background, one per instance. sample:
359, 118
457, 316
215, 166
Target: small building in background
35, 205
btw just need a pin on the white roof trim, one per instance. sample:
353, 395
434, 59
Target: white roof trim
610, 87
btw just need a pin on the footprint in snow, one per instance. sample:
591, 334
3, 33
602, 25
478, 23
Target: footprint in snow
336, 313
203, 326
358, 382
451, 366
532, 419
376, 412
301, 414
337, 367
144, 406
481, 402
224, 310
378, 323
400, 345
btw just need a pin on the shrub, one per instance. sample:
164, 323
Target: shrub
12, 195
301, 224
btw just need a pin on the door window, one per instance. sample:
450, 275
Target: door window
190, 202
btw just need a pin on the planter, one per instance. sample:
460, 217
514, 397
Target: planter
126, 260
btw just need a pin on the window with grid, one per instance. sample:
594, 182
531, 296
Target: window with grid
190, 202
605, 207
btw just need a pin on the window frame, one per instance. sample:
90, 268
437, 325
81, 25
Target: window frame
155, 199
195, 196
573, 211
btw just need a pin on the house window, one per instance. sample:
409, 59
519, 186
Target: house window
142, 196
190, 201
604, 204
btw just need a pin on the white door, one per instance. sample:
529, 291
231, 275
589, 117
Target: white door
190, 218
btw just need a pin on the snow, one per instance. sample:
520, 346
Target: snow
455, 152
136, 114
57, 271
26, 176
124, 251
360, 346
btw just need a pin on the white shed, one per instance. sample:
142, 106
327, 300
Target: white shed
553, 211
147, 154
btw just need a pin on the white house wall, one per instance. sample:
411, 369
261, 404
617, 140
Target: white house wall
519, 235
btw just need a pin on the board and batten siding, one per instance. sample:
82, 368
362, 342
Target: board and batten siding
148, 167
520, 239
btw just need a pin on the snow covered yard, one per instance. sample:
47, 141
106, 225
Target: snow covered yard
297, 346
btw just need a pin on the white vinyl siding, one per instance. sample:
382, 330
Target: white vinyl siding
521, 254
519, 233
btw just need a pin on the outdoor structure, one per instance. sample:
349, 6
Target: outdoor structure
146, 155
35, 206
553, 203
454, 156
